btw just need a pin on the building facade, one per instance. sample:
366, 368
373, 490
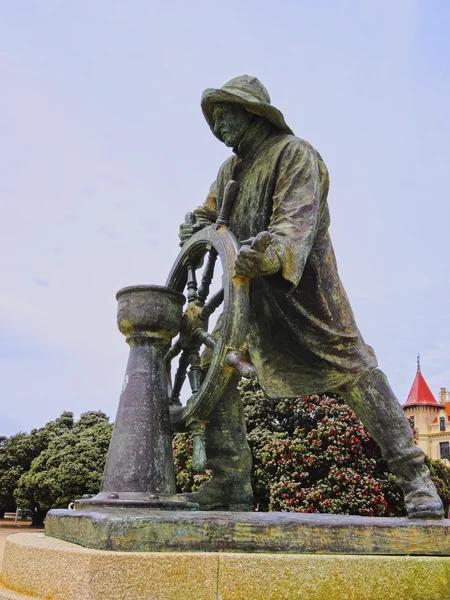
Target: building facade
431, 419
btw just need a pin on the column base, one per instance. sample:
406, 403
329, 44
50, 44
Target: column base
136, 500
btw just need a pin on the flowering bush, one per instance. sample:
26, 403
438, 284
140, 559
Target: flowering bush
185, 480
312, 454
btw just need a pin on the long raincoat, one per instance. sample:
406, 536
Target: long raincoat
302, 334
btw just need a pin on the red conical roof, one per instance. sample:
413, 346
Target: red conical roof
420, 393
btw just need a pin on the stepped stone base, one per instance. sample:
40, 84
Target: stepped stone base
43, 568
206, 531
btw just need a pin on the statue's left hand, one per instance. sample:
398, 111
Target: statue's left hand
257, 257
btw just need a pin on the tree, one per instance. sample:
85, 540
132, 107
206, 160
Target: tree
5, 505
18, 452
70, 466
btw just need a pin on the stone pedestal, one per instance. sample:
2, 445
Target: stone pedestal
142, 530
43, 568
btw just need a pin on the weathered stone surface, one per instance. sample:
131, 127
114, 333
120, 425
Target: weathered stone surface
23, 572
47, 569
217, 531
6, 594
50, 569
309, 577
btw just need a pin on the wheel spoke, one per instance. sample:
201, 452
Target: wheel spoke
244, 367
171, 354
213, 303
202, 336
207, 276
191, 283
195, 372
180, 376
173, 351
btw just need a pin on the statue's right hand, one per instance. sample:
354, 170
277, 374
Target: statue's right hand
187, 230
193, 223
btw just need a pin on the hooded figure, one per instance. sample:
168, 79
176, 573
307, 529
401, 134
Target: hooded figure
302, 335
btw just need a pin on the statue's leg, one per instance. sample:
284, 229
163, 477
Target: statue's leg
374, 402
229, 457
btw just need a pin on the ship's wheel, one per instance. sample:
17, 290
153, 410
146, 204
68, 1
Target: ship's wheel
193, 273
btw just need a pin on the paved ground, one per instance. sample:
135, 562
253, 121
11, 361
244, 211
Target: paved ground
8, 527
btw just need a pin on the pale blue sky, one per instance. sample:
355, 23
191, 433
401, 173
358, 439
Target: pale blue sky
104, 149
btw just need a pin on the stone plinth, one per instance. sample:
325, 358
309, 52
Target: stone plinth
204, 531
45, 568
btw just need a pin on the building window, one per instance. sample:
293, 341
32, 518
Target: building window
412, 422
445, 449
442, 424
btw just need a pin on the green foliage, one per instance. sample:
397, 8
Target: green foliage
71, 465
440, 474
90, 419
18, 452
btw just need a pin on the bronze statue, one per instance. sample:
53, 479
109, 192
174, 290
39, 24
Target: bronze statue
302, 335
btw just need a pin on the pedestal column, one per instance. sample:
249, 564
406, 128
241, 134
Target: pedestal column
139, 467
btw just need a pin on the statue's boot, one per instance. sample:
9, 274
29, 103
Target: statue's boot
222, 495
229, 457
374, 402
421, 498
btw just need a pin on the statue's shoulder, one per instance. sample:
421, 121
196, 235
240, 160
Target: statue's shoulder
227, 167
230, 162
294, 145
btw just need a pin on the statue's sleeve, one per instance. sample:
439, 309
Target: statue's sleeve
295, 209
207, 212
